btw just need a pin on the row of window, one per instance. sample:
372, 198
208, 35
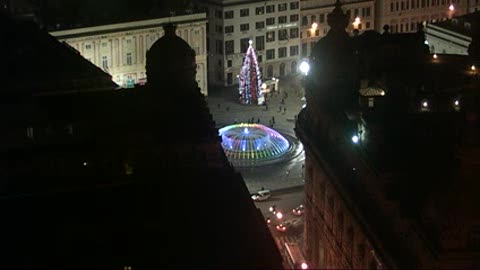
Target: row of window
260, 45
364, 12
283, 34
282, 52
258, 25
412, 4
407, 27
245, 12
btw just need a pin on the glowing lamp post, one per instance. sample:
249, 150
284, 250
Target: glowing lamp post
304, 67
356, 23
314, 28
355, 139
451, 10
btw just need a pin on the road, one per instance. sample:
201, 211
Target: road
285, 200
285, 180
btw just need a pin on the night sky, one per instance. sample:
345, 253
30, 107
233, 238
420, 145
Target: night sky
71, 13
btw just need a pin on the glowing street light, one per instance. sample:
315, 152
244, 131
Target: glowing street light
451, 7
456, 102
356, 22
304, 266
355, 139
425, 104
304, 67
472, 68
435, 56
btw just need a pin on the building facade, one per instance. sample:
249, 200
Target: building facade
314, 19
452, 36
387, 186
404, 16
273, 26
120, 48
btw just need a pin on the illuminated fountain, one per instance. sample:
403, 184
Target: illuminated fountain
255, 144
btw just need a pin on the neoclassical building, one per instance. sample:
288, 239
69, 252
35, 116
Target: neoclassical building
452, 36
120, 48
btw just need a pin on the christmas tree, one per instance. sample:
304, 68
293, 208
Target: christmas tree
250, 88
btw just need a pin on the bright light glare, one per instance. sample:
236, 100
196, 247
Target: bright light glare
451, 7
435, 56
304, 67
473, 68
456, 102
85, 163
355, 139
314, 26
426, 42
279, 215
304, 266
425, 104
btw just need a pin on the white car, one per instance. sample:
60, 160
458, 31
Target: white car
261, 195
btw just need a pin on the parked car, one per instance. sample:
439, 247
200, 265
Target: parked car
261, 195
298, 211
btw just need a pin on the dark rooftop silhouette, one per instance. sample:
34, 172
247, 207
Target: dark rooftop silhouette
105, 179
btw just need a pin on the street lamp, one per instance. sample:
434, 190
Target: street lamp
304, 67
451, 10
355, 139
356, 22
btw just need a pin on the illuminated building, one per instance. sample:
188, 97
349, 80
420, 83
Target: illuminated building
120, 48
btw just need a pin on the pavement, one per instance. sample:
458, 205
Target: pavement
283, 106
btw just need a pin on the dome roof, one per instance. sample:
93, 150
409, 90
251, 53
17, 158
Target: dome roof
170, 58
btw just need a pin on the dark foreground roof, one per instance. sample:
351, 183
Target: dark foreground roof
123, 178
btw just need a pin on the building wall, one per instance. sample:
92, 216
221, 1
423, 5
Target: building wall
404, 16
334, 239
120, 49
316, 11
231, 22
441, 40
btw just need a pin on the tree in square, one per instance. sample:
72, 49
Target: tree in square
250, 85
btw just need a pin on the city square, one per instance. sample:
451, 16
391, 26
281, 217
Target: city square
282, 107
